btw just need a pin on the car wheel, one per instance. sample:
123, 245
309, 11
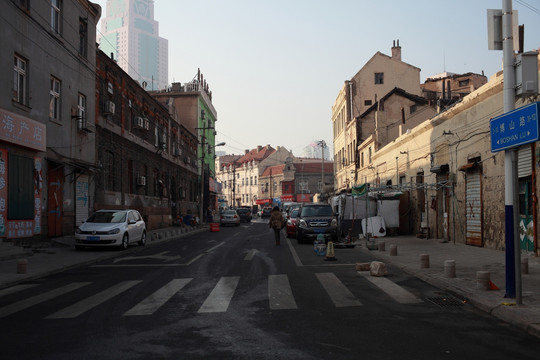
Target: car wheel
125, 242
142, 242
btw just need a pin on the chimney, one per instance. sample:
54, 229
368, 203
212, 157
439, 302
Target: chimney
176, 86
259, 148
246, 151
396, 51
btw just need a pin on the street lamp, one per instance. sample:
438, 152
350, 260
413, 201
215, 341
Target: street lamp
201, 199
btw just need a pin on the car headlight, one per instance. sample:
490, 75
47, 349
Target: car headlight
113, 231
289, 222
302, 223
334, 222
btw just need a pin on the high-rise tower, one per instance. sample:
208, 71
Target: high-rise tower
131, 34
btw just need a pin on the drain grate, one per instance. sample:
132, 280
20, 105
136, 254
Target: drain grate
446, 301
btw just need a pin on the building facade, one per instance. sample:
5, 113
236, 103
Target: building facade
131, 34
147, 159
47, 106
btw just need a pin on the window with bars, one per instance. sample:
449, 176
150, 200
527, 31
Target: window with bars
81, 111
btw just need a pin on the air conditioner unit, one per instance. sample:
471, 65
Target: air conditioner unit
109, 107
177, 151
141, 180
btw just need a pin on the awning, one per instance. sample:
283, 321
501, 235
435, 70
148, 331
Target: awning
287, 197
440, 169
469, 166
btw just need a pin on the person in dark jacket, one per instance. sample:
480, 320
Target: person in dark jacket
276, 222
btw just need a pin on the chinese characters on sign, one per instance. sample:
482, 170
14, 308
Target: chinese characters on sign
515, 128
22, 131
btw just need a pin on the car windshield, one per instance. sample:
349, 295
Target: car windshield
229, 212
294, 212
242, 211
317, 210
107, 217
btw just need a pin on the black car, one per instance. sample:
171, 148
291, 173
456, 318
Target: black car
266, 212
314, 219
245, 214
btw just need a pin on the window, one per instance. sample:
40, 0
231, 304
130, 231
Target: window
369, 155
83, 36
55, 16
19, 80
413, 108
367, 102
379, 78
54, 105
464, 82
81, 111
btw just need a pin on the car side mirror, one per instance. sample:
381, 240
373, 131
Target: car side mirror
131, 222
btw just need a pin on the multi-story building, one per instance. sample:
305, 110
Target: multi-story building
447, 88
130, 32
47, 107
381, 75
193, 103
147, 159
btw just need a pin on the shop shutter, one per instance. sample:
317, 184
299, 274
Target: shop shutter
524, 161
473, 208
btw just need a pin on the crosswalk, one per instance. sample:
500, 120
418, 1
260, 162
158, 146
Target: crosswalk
280, 295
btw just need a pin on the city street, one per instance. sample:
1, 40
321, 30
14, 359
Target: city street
234, 294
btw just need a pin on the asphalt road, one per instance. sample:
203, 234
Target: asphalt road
233, 294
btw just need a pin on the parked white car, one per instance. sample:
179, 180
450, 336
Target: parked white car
111, 228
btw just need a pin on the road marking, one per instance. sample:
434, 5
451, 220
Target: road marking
279, 293
34, 300
15, 289
220, 297
152, 303
397, 292
160, 256
340, 295
251, 253
93, 301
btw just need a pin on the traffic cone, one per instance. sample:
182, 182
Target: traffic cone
492, 286
330, 252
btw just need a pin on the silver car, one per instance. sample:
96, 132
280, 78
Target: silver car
111, 228
229, 217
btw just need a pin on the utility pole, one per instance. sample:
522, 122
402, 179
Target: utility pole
322, 144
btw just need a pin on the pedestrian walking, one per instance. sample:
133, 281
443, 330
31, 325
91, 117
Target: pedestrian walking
276, 222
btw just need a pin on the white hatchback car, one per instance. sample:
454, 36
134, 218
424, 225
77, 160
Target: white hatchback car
111, 228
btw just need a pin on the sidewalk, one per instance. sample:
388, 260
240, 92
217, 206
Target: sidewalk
468, 260
61, 255
49, 258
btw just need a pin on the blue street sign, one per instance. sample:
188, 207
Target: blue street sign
515, 128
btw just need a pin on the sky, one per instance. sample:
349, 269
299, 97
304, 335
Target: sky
275, 67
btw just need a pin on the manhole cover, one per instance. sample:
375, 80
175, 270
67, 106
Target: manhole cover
446, 301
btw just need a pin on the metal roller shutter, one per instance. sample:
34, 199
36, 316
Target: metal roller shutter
473, 210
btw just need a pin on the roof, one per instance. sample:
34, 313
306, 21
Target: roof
303, 167
257, 154
273, 170
395, 91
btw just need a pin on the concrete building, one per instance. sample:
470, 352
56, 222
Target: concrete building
147, 158
452, 184
47, 106
381, 75
131, 34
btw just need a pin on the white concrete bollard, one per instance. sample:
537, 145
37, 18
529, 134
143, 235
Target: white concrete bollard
450, 268
22, 266
482, 280
424, 261
393, 250
381, 245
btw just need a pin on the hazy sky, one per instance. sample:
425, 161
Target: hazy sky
275, 67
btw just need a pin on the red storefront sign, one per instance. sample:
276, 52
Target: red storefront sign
22, 131
263, 201
303, 197
287, 197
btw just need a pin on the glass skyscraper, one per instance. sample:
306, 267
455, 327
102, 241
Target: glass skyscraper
131, 34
